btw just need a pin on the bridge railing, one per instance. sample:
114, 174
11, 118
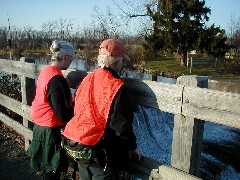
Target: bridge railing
191, 102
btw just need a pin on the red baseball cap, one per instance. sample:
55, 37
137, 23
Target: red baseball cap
113, 47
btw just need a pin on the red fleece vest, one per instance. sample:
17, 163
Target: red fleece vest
41, 112
92, 105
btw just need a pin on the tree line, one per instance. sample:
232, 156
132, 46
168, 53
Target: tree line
171, 26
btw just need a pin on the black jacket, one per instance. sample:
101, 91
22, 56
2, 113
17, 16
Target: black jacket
118, 137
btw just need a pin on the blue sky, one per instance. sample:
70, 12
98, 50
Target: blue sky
36, 12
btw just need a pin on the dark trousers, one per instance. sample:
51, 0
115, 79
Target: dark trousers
51, 176
96, 172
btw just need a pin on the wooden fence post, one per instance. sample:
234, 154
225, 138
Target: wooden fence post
191, 65
188, 132
154, 77
28, 92
216, 64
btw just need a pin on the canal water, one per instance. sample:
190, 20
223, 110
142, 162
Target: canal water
79, 64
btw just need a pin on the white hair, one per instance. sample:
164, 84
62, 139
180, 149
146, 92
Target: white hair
105, 60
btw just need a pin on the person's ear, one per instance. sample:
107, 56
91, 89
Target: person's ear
65, 58
116, 63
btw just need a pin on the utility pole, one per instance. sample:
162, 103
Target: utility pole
9, 39
9, 34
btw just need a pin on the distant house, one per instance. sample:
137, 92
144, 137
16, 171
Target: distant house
229, 55
193, 52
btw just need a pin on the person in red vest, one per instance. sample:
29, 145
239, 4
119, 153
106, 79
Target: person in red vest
51, 109
100, 136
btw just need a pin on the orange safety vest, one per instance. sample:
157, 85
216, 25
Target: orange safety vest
41, 111
92, 105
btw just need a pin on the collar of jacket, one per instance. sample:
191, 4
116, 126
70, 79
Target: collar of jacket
115, 75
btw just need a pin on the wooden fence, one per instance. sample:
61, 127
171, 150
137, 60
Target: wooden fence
203, 63
189, 100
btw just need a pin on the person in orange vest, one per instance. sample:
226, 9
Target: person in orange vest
100, 136
51, 109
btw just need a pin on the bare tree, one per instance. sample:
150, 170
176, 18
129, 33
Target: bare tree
134, 15
3, 37
234, 37
106, 24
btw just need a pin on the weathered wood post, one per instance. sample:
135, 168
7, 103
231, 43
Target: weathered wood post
188, 132
191, 65
28, 91
154, 77
216, 64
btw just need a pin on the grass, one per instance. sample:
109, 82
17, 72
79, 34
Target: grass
172, 68
166, 65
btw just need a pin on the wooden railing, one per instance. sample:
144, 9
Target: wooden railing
204, 63
189, 100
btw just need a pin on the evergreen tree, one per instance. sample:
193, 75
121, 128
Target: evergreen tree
179, 25
213, 42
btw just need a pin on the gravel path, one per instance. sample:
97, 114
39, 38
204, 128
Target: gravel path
14, 162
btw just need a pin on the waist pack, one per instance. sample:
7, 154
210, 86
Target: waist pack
77, 151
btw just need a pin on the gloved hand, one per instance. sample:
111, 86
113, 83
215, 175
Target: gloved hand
134, 153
